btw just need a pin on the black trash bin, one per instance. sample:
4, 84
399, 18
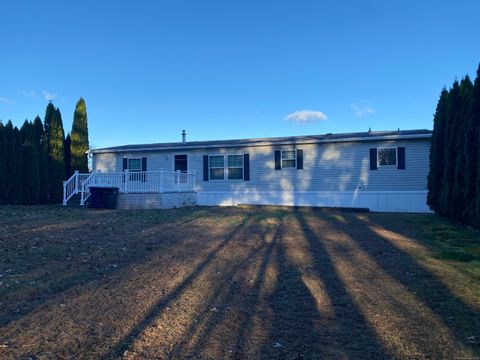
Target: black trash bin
103, 197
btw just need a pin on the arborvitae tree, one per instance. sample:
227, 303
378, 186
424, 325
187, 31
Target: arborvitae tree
3, 164
10, 172
458, 193
437, 153
453, 116
30, 170
16, 191
41, 141
56, 152
79, 137
68, 156
472, 154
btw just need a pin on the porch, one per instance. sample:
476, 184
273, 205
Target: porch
138, 182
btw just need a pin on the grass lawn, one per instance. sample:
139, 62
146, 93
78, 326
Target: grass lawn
216, 283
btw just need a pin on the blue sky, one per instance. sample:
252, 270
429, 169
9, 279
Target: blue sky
234, 69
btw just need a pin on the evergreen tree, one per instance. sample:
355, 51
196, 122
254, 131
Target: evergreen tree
3, 164
68, 156
16, 191
41, 141
30, 169
472, 154
437, 153
56, 152
458, 200
10, 163
79, 137
453, 116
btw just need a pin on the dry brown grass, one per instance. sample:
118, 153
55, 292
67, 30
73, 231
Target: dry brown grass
233, 283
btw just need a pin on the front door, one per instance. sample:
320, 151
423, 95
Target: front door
180, 163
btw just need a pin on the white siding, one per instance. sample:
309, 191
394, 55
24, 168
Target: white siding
330, 170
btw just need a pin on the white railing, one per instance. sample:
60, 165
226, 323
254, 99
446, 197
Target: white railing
72, 186
85, 190
139, 182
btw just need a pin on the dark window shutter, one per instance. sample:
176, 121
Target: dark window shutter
246, 167
299, 159
278, 160
401, 158
125, 162
373, 159
205, 167
144, 168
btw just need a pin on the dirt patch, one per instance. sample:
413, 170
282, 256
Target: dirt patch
233, 283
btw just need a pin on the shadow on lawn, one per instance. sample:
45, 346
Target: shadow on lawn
461, 319
58, 274
161, 305
291, 324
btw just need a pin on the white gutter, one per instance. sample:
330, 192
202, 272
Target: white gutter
264, 143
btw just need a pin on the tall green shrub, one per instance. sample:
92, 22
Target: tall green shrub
472, 156
16, 191
68, 156
79, 138
450, 154
41, 141
10, 163
30, 169
437, 152
3, 164
56, 152
459, 182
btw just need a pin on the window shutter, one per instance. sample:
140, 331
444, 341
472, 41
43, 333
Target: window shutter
246, 167
205, 167
278, 160
125, 162
299, 159
144, 168
373, 159
401, 158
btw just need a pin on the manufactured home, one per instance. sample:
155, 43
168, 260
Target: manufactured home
378, 170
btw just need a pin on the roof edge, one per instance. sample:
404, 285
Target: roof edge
265, 142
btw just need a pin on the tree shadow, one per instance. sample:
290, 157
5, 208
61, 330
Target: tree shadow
461, 319
126, 342
57, 274
232, 296
347, 335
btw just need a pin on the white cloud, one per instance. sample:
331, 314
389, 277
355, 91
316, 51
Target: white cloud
306, 116
5, 100
27, 94
360, 110
48, 95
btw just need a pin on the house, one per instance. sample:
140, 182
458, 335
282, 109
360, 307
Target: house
379, 170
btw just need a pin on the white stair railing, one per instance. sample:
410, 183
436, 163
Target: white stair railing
70, 187
85, 187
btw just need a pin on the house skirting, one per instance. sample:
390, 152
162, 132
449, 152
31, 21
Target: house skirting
156, 200
381, 201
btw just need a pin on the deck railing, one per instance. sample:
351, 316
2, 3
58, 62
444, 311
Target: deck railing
129, 182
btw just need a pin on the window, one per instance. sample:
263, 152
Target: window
217, 167
288, 158
235, 167
387, 156
180, 163
134, 164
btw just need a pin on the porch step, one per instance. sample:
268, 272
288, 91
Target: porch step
74, 201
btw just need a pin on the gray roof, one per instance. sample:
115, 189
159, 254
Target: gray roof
308, 139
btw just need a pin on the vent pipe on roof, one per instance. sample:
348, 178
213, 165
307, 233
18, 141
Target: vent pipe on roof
184, 136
